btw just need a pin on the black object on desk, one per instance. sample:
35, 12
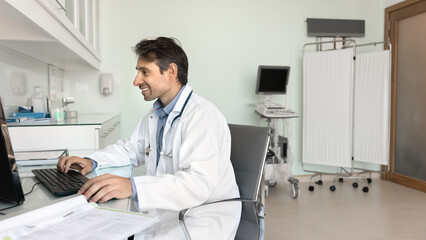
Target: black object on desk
10, 188
59, 183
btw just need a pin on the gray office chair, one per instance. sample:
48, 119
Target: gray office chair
248, 152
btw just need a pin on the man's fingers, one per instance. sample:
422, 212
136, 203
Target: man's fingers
78, 163
67, 165
106, 187
108, 196
61, 163
85, 170
88, 185
93, 185
102, 193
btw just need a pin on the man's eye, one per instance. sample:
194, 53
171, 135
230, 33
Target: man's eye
144, 73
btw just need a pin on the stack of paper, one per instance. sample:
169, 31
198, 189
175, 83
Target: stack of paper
75, 219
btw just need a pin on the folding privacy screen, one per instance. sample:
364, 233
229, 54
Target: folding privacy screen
346, 107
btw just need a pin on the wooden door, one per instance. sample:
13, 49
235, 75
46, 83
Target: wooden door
406, 29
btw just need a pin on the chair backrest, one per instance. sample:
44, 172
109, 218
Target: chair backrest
248, 152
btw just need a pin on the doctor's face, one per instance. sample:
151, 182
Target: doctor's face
152, 83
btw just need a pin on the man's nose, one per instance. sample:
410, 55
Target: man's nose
138, 80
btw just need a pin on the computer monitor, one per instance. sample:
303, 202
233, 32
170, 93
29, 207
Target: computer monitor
272, 80
10, 183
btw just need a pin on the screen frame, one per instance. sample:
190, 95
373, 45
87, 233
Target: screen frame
259, 74
10, 183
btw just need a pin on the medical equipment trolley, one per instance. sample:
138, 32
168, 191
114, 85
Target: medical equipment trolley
279, 159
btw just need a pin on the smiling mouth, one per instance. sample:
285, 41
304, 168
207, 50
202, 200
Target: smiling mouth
144, 89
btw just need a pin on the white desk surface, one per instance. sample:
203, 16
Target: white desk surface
41, 196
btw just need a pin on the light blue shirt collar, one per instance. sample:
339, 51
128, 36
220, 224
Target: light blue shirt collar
165, 111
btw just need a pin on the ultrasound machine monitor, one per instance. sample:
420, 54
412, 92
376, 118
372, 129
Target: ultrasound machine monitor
10, 184
272, 80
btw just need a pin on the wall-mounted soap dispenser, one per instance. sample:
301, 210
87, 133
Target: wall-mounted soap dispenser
18, 83
106, 84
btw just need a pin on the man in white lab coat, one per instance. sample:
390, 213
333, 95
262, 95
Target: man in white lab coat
185, 144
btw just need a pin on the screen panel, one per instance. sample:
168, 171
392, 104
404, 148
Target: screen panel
327, 108
272, 79
10, 183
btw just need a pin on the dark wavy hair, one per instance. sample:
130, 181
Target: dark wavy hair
164, 51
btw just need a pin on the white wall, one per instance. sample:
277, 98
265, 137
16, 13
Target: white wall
225, 42
83, 85
388, 3
16, 67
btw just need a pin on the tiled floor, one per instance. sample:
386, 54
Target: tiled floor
388, 211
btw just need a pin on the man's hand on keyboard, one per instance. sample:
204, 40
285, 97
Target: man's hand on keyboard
83, 164
105, 187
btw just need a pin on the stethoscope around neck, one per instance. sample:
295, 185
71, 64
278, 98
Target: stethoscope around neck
169, 155
148, 150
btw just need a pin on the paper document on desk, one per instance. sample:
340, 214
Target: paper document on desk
75, 219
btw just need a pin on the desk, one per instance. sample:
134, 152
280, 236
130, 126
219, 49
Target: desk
41, 196
66, 215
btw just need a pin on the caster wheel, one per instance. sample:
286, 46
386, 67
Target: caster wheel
369, 180
355, 184
311, 188
332, 188
319, 182
340, 179
365, 189
296, 190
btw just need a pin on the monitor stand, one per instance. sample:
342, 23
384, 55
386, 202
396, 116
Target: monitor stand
267, 102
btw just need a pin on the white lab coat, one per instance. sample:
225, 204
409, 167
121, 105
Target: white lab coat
194, 168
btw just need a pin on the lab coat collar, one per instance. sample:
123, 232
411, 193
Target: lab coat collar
182, 99
181, 104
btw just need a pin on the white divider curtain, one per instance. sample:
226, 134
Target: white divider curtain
328, 107
372, 107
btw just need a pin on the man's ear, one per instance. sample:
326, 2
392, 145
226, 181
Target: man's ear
172, 70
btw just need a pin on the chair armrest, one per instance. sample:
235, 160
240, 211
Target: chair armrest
184, 212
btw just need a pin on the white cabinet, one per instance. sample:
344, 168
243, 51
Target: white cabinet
64, 33
83, 135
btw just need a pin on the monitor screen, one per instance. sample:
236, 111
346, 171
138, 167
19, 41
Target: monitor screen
10, 184
272, 79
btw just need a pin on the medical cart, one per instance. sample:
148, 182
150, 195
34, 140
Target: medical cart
279, 151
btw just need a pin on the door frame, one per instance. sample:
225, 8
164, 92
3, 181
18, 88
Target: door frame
392, 15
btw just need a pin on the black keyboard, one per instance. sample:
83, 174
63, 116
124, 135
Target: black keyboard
59, 183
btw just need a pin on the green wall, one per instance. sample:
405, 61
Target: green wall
225, 42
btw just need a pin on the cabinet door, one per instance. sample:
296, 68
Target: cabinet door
84, 15
43, 30
53, 137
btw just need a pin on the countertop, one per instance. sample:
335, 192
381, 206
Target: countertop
82, 119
